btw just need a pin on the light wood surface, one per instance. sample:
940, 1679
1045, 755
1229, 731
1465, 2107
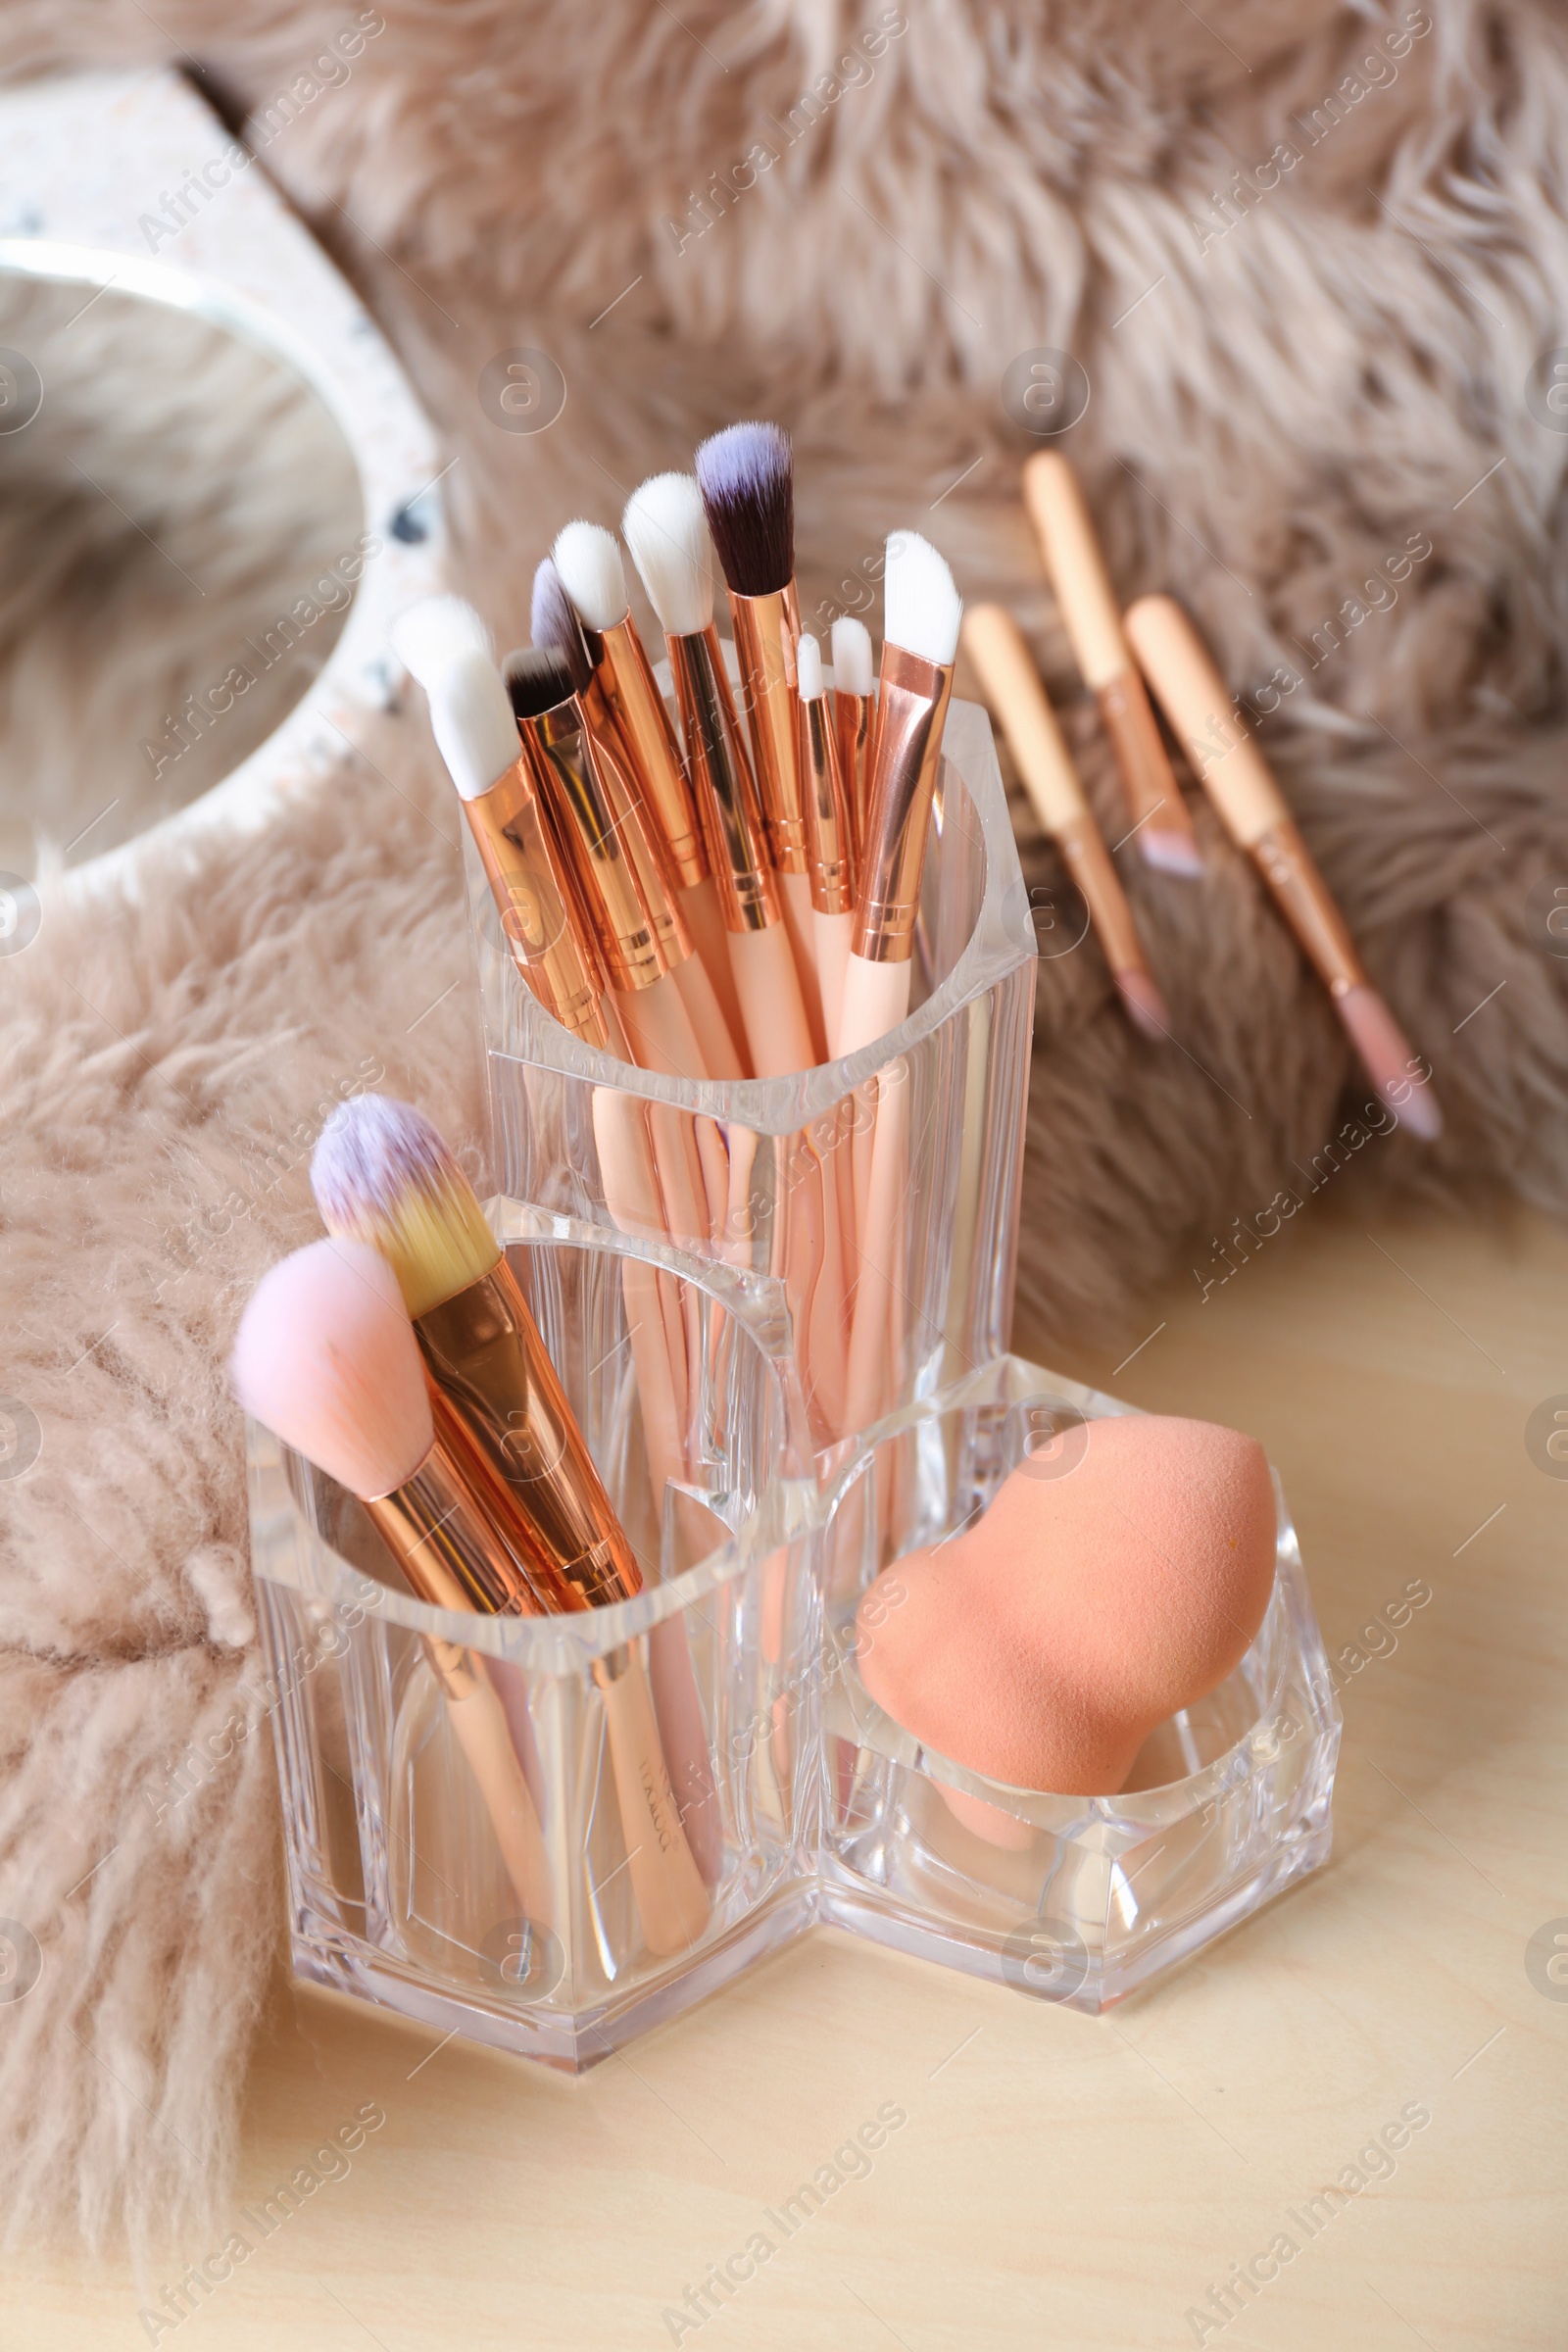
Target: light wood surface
1063, 2181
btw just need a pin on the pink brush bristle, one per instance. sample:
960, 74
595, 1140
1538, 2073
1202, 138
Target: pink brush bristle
328, 1359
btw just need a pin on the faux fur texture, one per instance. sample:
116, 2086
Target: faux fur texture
1288, 391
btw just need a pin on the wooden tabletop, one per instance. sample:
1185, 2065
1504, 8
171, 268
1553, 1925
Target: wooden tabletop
1059, 2180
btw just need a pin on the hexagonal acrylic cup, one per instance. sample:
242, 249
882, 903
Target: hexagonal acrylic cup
1070, 1898
458, 1820
792, 1159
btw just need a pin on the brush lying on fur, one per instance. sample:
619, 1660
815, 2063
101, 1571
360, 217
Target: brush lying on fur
1089, 613
1234, 773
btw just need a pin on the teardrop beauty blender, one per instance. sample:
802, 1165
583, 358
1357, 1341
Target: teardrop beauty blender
1044, 1643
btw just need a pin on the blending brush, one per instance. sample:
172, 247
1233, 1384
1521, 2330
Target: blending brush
446, 646
381, 1174
995, 644
920, 639
588, 562
1234, 773
853, 710
325, 1358
1093, 622
557, 629
747, 477
666, 531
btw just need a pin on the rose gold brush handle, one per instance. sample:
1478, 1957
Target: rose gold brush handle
671, 1900
479, 1720
536, 898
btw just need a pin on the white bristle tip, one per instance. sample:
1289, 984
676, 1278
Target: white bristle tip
851, 654
809, 670
436, 633
666, 529
922, 606
592, 573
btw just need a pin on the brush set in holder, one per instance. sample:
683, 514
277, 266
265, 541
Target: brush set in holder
671, 1554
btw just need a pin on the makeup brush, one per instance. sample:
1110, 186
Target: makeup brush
447, 647
557, 629
381, 1174
830, 856
1234, 773
921, 611
995, 644
746, 474
1089, 613
325, 1358
589, 564
666, 531
598, 848
854, 711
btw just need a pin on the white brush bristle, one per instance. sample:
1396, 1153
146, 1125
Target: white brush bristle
851, 654
666, 529
443, 642
809, 670
592, 573
920, 605
328, 1359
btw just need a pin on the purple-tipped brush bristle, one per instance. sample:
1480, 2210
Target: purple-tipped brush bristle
372, 1152
538, 679
554, 625
747, 477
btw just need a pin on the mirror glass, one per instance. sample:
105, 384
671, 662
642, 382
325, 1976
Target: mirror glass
180, 520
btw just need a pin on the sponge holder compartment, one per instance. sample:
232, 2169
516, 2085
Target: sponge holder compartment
1071, 1899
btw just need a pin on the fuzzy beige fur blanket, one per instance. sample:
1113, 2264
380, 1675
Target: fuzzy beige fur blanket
1313, 266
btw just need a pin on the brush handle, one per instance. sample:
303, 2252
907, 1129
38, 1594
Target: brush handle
1196, 700
720, 1055
479, 1720
794, 904
671, 1900
772, 1007
1068, 543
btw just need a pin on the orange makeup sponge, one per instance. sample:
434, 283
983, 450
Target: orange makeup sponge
1044, 1644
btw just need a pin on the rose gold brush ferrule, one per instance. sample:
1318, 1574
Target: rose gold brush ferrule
537, 902
1153, 792
440, 1526
829, 840
1088, 863
726, 796
906, 746
654, 877
624, 673
854, 715
484, 1350
768, 629
558, 745
1286, 864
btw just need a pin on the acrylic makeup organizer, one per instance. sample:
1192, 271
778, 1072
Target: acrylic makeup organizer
806, 1802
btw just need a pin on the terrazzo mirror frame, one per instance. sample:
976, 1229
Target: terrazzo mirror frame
252, 268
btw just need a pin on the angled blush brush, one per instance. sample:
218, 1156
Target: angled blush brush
746, 474
1093, 622
995, 644
666, 530
1234, 773
382, 1175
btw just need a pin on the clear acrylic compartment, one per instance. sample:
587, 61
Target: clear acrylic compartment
964, 1054
1073, 1899
456, 1837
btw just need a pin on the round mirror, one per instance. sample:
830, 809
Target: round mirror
182, 532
